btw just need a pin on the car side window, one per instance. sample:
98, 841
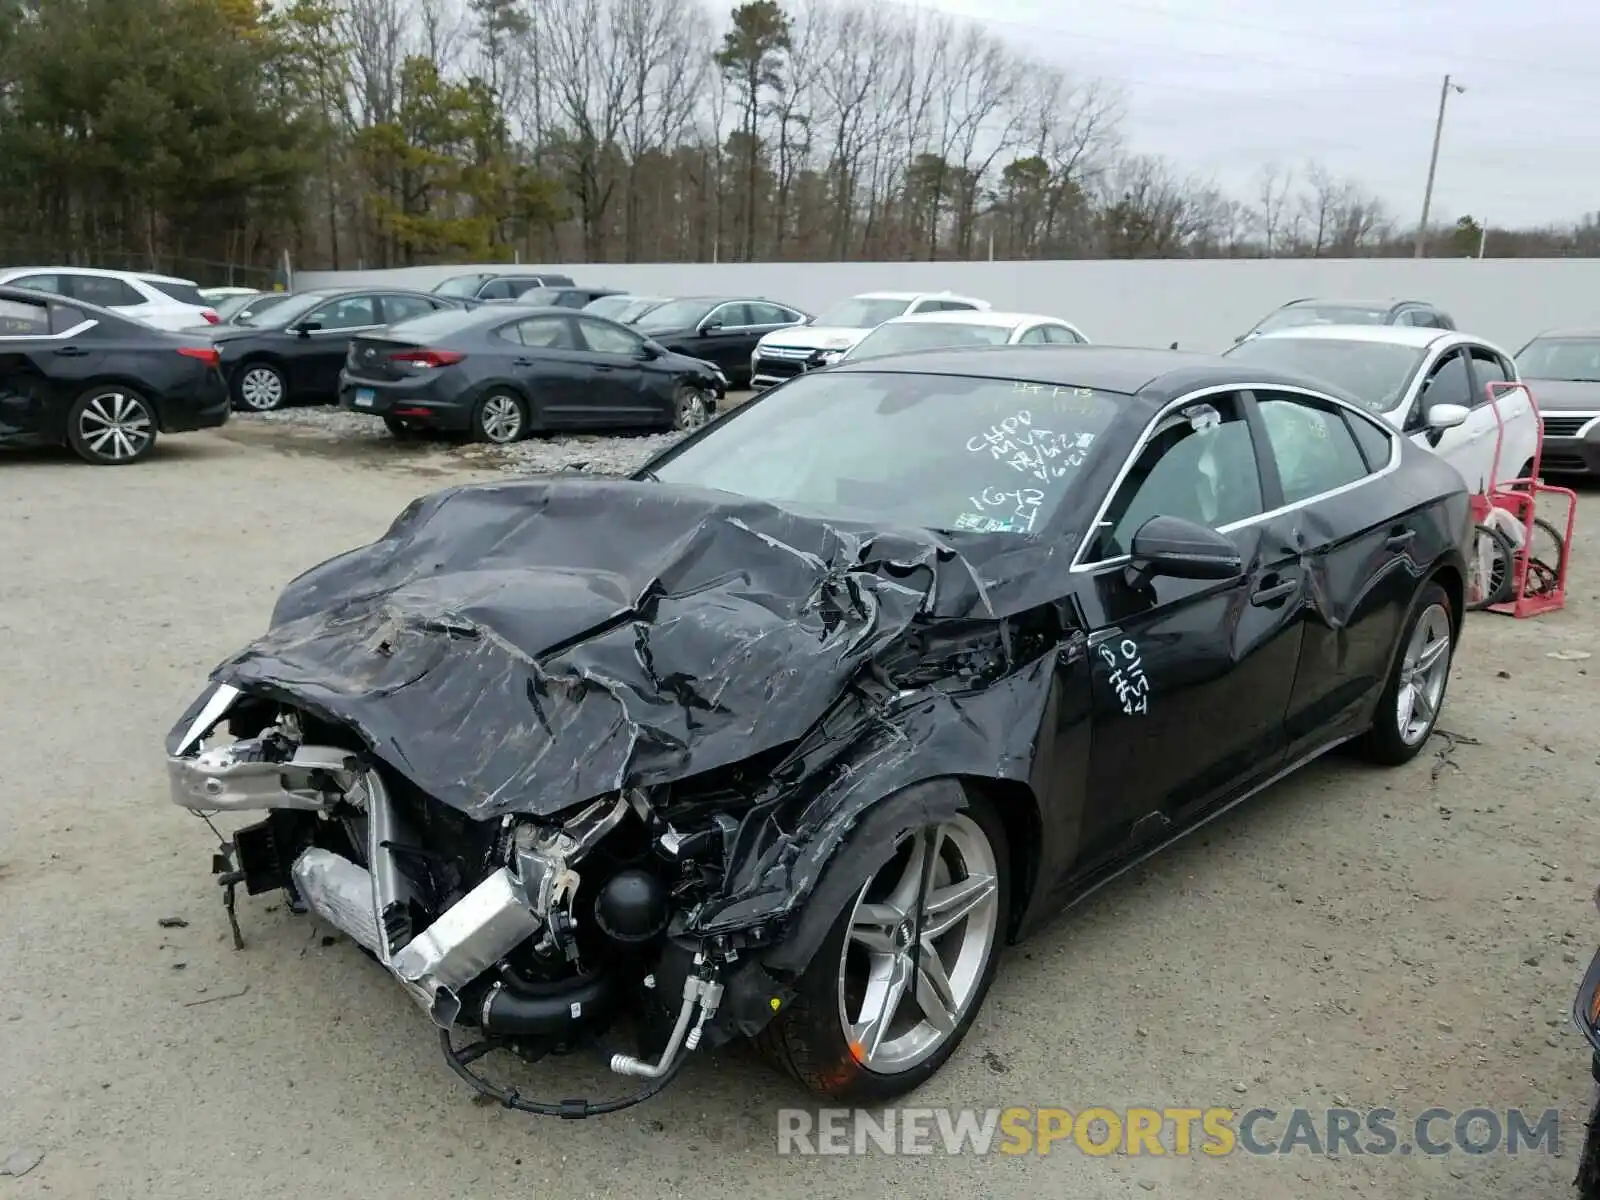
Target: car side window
944, 306
1199, 465
1448, 383
1376, 441
546, 333
403, 308
725, 316
1060, 335
1315, 450
349, 312
22, 318
1490, 368
1034, 337
768, 314
63, 317
498, 289
607, 339
40, 283
101, 290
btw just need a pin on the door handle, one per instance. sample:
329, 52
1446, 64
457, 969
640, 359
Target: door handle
1272, 590
603, 367
523, 362
71, 352
1399, 539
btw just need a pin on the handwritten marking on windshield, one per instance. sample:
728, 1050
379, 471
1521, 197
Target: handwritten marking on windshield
1025, 504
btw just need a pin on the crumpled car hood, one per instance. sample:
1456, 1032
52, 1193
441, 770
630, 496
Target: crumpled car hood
525, 646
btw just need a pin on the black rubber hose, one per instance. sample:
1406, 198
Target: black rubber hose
567, 1110
516, 1010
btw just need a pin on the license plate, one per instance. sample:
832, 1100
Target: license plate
365, 397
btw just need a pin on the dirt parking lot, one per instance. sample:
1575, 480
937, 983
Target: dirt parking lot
1352, 938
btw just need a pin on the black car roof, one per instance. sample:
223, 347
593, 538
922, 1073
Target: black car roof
1153, 375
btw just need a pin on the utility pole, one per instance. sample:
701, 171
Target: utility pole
1433, 166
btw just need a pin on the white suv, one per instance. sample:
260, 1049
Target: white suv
159, 300
785, 353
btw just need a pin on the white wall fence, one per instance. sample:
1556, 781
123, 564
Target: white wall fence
1201, 304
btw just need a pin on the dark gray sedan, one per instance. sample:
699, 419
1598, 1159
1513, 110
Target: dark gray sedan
1562, 366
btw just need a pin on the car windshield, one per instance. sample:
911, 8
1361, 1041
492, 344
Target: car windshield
861, 312
1375, 373
931, 335
279, 315
618, 307
943, 452
443, 323
1574, 358
464, 286
1297, 315
675, 314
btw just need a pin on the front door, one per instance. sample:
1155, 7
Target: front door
1470, 446
615, 357
318, 357
1190, 679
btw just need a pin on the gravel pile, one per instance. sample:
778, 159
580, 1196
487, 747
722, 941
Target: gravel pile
598, 454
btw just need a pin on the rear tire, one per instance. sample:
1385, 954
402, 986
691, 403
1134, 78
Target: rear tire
111, 426
824, 1038
259, 387
500, 419
1408, 710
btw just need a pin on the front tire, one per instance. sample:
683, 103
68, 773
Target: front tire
1409, 708
691, 407
871, 1020
111, 426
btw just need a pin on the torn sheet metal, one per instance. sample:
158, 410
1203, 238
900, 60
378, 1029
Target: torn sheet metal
526, 646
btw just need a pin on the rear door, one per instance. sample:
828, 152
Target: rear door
1191, 679
107, 291
26, 392
1330, 463
552, 369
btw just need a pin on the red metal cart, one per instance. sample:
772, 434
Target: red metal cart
1537, 586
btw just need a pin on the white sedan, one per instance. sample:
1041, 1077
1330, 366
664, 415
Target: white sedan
1432, 384
947, 330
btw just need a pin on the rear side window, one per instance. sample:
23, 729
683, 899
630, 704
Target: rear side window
64, 317
183, 293
40, 283
944, 306
18, 318
403, 308
1375, 441
103, 291
1060, 335
1316, 451
546, 333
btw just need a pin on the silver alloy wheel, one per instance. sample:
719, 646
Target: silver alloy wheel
501, 420
693, 411
115, 426
1424, 670
920, 938
261, 388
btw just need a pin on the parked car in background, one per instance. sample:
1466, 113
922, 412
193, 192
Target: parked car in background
1312, 311
1563, 368
786, 353
216, 295
292, 351
828, 704
88, 378
227, 307
560, 297
498, 286
950, 330
252, 306
623, 307
164, 301
500, 374
1429, 383
720, 329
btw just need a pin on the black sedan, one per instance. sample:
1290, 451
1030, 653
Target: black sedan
292, 351
499, 374
76, 375
720, 329
831, 700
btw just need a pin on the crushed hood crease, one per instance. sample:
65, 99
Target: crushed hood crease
525, 646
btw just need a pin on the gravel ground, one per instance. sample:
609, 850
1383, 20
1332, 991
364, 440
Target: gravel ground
1409, 938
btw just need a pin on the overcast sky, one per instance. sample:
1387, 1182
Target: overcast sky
1223, 86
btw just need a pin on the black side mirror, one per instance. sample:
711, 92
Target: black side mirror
649, 350
1180, 549
306, 328
711, 327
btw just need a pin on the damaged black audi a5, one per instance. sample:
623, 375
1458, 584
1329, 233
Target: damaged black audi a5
786, 736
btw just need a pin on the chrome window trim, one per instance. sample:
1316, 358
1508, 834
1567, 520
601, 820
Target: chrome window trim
81, 327
1079, 566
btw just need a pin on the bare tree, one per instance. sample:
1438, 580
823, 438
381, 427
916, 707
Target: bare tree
1273, 186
